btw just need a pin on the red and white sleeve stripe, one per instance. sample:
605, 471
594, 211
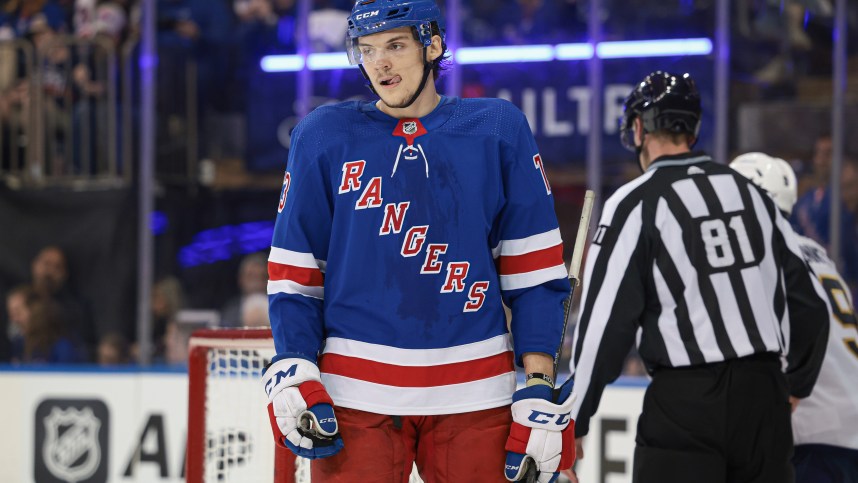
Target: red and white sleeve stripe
528, 262
295, 273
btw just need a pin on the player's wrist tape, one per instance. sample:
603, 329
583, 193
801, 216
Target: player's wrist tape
535, 378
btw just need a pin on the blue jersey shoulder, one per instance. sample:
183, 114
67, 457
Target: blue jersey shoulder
326, 126
488, 116
330, 117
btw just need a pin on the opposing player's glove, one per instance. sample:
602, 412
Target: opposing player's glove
542, 433
300, 409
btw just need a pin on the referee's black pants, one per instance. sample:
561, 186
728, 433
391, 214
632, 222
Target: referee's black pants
719, 423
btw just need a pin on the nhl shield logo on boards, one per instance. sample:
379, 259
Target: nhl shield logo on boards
71, 441
409, 127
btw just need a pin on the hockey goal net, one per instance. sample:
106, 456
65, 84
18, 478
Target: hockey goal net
229, 435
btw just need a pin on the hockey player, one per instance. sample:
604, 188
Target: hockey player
826, 444
695, 264
404, 225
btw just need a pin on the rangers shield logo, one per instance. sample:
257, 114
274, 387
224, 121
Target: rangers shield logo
71, 449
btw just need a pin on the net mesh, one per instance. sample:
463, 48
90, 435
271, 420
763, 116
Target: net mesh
238, 435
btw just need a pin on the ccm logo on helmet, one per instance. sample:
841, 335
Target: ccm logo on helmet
362, 16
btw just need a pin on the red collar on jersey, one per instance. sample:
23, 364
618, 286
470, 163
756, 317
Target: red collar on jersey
410, 129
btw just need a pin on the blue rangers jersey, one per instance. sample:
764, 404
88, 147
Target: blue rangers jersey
396, 242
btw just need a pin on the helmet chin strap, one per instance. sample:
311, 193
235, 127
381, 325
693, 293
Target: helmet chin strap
427, 69
366, 77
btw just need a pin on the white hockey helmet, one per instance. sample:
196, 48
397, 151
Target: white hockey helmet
772, 174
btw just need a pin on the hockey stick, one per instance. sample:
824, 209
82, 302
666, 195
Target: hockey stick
575, 267
574, 280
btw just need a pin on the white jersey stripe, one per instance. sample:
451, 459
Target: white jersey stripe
728, 192
671, 236
757, 290
532, 279
290, 287
730, 314
418, 357
608, 293
667, 324
691, 198
769, 328
612, 203
296, 259
533, 243
452, 399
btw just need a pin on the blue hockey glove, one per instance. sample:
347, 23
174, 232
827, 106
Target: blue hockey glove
542, 433
300, 409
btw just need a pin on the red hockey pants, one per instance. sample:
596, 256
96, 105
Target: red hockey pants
454, 448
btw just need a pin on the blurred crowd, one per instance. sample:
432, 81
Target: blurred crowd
47, 321
775, 43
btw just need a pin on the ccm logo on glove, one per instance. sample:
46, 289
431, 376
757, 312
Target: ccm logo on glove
279, 376
540, 417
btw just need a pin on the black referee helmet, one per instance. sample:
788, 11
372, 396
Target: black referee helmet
663, 101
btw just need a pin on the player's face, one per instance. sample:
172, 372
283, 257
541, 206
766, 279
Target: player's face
393, 60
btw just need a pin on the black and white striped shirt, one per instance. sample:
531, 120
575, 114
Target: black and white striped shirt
696, 264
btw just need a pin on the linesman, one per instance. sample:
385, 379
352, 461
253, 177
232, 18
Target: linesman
696, 265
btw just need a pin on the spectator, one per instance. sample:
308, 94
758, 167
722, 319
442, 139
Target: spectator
264, 27
167, 300
196, 30
50, 280
105, 31
252, 279
18, 303
849, 185
326, 25
811, 214
255, 12
8, 56
23, 13
47, 339
254, 311
113, 349
55, 60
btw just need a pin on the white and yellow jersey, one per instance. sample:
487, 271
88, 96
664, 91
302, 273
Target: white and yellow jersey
828, 416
